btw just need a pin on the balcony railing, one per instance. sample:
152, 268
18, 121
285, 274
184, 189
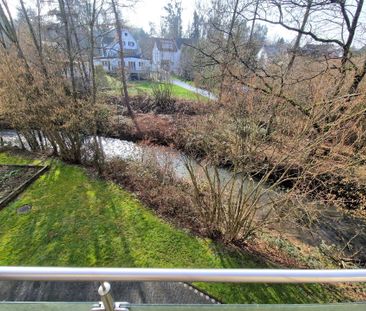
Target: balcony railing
176, 275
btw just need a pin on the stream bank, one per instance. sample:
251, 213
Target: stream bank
331, 227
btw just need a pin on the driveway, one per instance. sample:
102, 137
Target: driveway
194, 89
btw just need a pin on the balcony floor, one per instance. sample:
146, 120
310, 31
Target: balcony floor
133, 292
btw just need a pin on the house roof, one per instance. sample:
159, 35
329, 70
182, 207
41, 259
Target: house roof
183, 41
312, 49
147, 46
273, 50
107, 40
166, 45
110, 36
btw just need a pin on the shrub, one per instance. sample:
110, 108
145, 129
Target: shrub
163, 101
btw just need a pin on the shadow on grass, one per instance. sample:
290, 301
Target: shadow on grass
79, 221
266, 293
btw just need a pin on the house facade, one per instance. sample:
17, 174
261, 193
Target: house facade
271, 52
108, 54
165, 56
160, 55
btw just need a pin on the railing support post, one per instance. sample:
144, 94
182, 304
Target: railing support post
105, 293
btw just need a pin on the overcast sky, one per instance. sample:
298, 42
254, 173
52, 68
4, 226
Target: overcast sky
145, 11
151, 11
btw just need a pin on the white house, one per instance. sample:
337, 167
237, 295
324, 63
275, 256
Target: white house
165, 55
109, 58
271, 52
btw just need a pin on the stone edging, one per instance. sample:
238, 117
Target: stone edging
201, 293
12, 195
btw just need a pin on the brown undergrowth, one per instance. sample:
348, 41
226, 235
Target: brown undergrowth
170, 199
159, 191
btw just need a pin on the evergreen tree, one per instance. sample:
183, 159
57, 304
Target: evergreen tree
171, 22
195, 32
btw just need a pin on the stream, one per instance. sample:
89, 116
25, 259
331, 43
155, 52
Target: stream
333, 226
126, 150
168, 158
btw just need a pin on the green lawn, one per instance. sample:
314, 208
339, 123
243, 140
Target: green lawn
138, 87
112, 86
192, 83
80, 221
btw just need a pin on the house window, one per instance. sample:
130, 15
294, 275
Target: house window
167, 45
105, 63
130, 43
126, 34
141, 64
132, 65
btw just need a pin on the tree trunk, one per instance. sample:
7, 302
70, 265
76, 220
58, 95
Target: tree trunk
68, 46
124, 90
37, 44
299, 35
358, 79
82, 67
229, 40
347, 46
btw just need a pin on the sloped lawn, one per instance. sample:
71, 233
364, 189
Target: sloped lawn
77, 220
146, 87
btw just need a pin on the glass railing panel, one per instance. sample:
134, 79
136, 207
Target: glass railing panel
319, 307
46, 306
87, 306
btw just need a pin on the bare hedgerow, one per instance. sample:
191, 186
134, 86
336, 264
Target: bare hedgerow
42, 112
275, 155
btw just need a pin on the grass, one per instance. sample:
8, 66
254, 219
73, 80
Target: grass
146, 87
77, 220
192, 83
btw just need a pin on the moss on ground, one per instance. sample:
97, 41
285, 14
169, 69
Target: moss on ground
77, 220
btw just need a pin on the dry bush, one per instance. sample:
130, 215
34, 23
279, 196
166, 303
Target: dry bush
235, 206
43, 111
155, 183
146, 104
163, 100
265, 138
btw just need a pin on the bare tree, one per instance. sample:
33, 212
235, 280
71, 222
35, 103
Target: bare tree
92, 12
69, 48
9, 33
340, 17
296, 46
36, 40
124, 89
78, 49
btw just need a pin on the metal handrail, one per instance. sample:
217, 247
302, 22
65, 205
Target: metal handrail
182, 275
